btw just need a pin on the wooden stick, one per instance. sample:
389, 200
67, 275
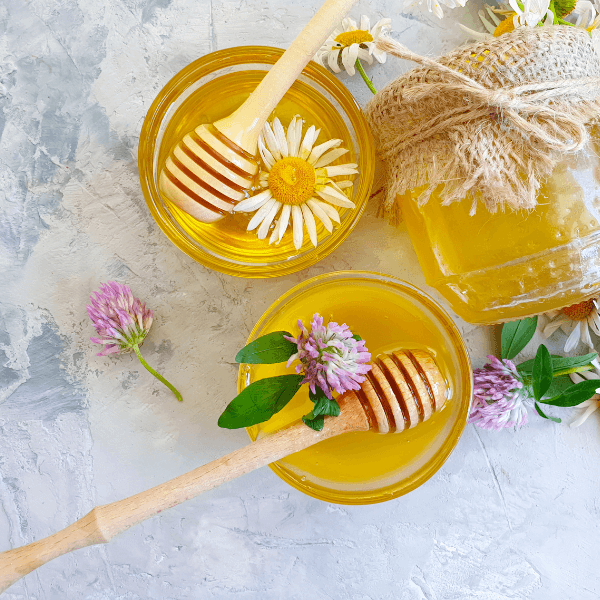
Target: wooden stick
104, 522
245, 124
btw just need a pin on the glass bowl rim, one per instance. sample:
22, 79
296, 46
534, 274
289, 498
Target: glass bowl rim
240, 55
465, 376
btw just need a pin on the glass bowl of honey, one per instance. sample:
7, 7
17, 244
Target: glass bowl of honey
212, 87
389, 314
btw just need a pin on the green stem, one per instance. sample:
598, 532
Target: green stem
573, 370
136, 349
360, 69
528, 380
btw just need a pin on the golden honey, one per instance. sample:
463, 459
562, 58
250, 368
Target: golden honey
508, 265
212, 88
366, 467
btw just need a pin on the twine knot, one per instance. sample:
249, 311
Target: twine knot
503, 99
525, 108
488, 121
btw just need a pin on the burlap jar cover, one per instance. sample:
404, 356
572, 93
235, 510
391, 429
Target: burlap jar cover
488, 121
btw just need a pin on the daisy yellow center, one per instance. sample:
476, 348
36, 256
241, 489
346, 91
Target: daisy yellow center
505, 26
579, 312
359, 36
292, 180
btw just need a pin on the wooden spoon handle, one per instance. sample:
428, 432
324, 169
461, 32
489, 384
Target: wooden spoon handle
104, 522
244, 125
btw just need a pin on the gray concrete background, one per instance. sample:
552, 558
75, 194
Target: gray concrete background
510, 516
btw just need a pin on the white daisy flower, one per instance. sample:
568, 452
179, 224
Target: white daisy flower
593, 403
344, 46
297, 183
584, 14
496, 21
576, 321
532, 13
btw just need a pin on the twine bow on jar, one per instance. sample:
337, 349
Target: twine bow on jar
489, 120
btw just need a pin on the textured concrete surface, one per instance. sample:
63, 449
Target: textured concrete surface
510, 516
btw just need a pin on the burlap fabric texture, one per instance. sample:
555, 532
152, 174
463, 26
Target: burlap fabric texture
488, 121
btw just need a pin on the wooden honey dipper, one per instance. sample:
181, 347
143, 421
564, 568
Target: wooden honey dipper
213, 167
402, 389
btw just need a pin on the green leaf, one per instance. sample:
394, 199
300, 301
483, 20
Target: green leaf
542, 372
357, 337
267, 350
516, 335
323, 405
576, 394
559, 385
260, 401
315, 423
560, 364
541, 413
326, 407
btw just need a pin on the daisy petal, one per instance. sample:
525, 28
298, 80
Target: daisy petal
379, 55
319, 150
254, 202
264, 226
271, 141
364, 23
329, 157
347, 58
476, 35
260, 214
283, 221
266, 156
297, 223
280, 137
320, 214
382, 26
349, 169
333, 61
329, 210
291, 136
573, 339
331, 191
591, 408
311, 226
344, 184
555, 324
345, 203
585, 335
367, 55
307, 142
594, 321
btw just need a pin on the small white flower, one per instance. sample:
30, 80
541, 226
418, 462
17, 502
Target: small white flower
297, 183
592, 404
435, 6
532, 13
584, 14
344, 46
576, 321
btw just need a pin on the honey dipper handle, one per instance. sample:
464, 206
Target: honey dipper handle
104, 522
244, 125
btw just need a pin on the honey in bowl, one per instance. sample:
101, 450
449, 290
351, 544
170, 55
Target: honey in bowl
211, 88
366, 467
